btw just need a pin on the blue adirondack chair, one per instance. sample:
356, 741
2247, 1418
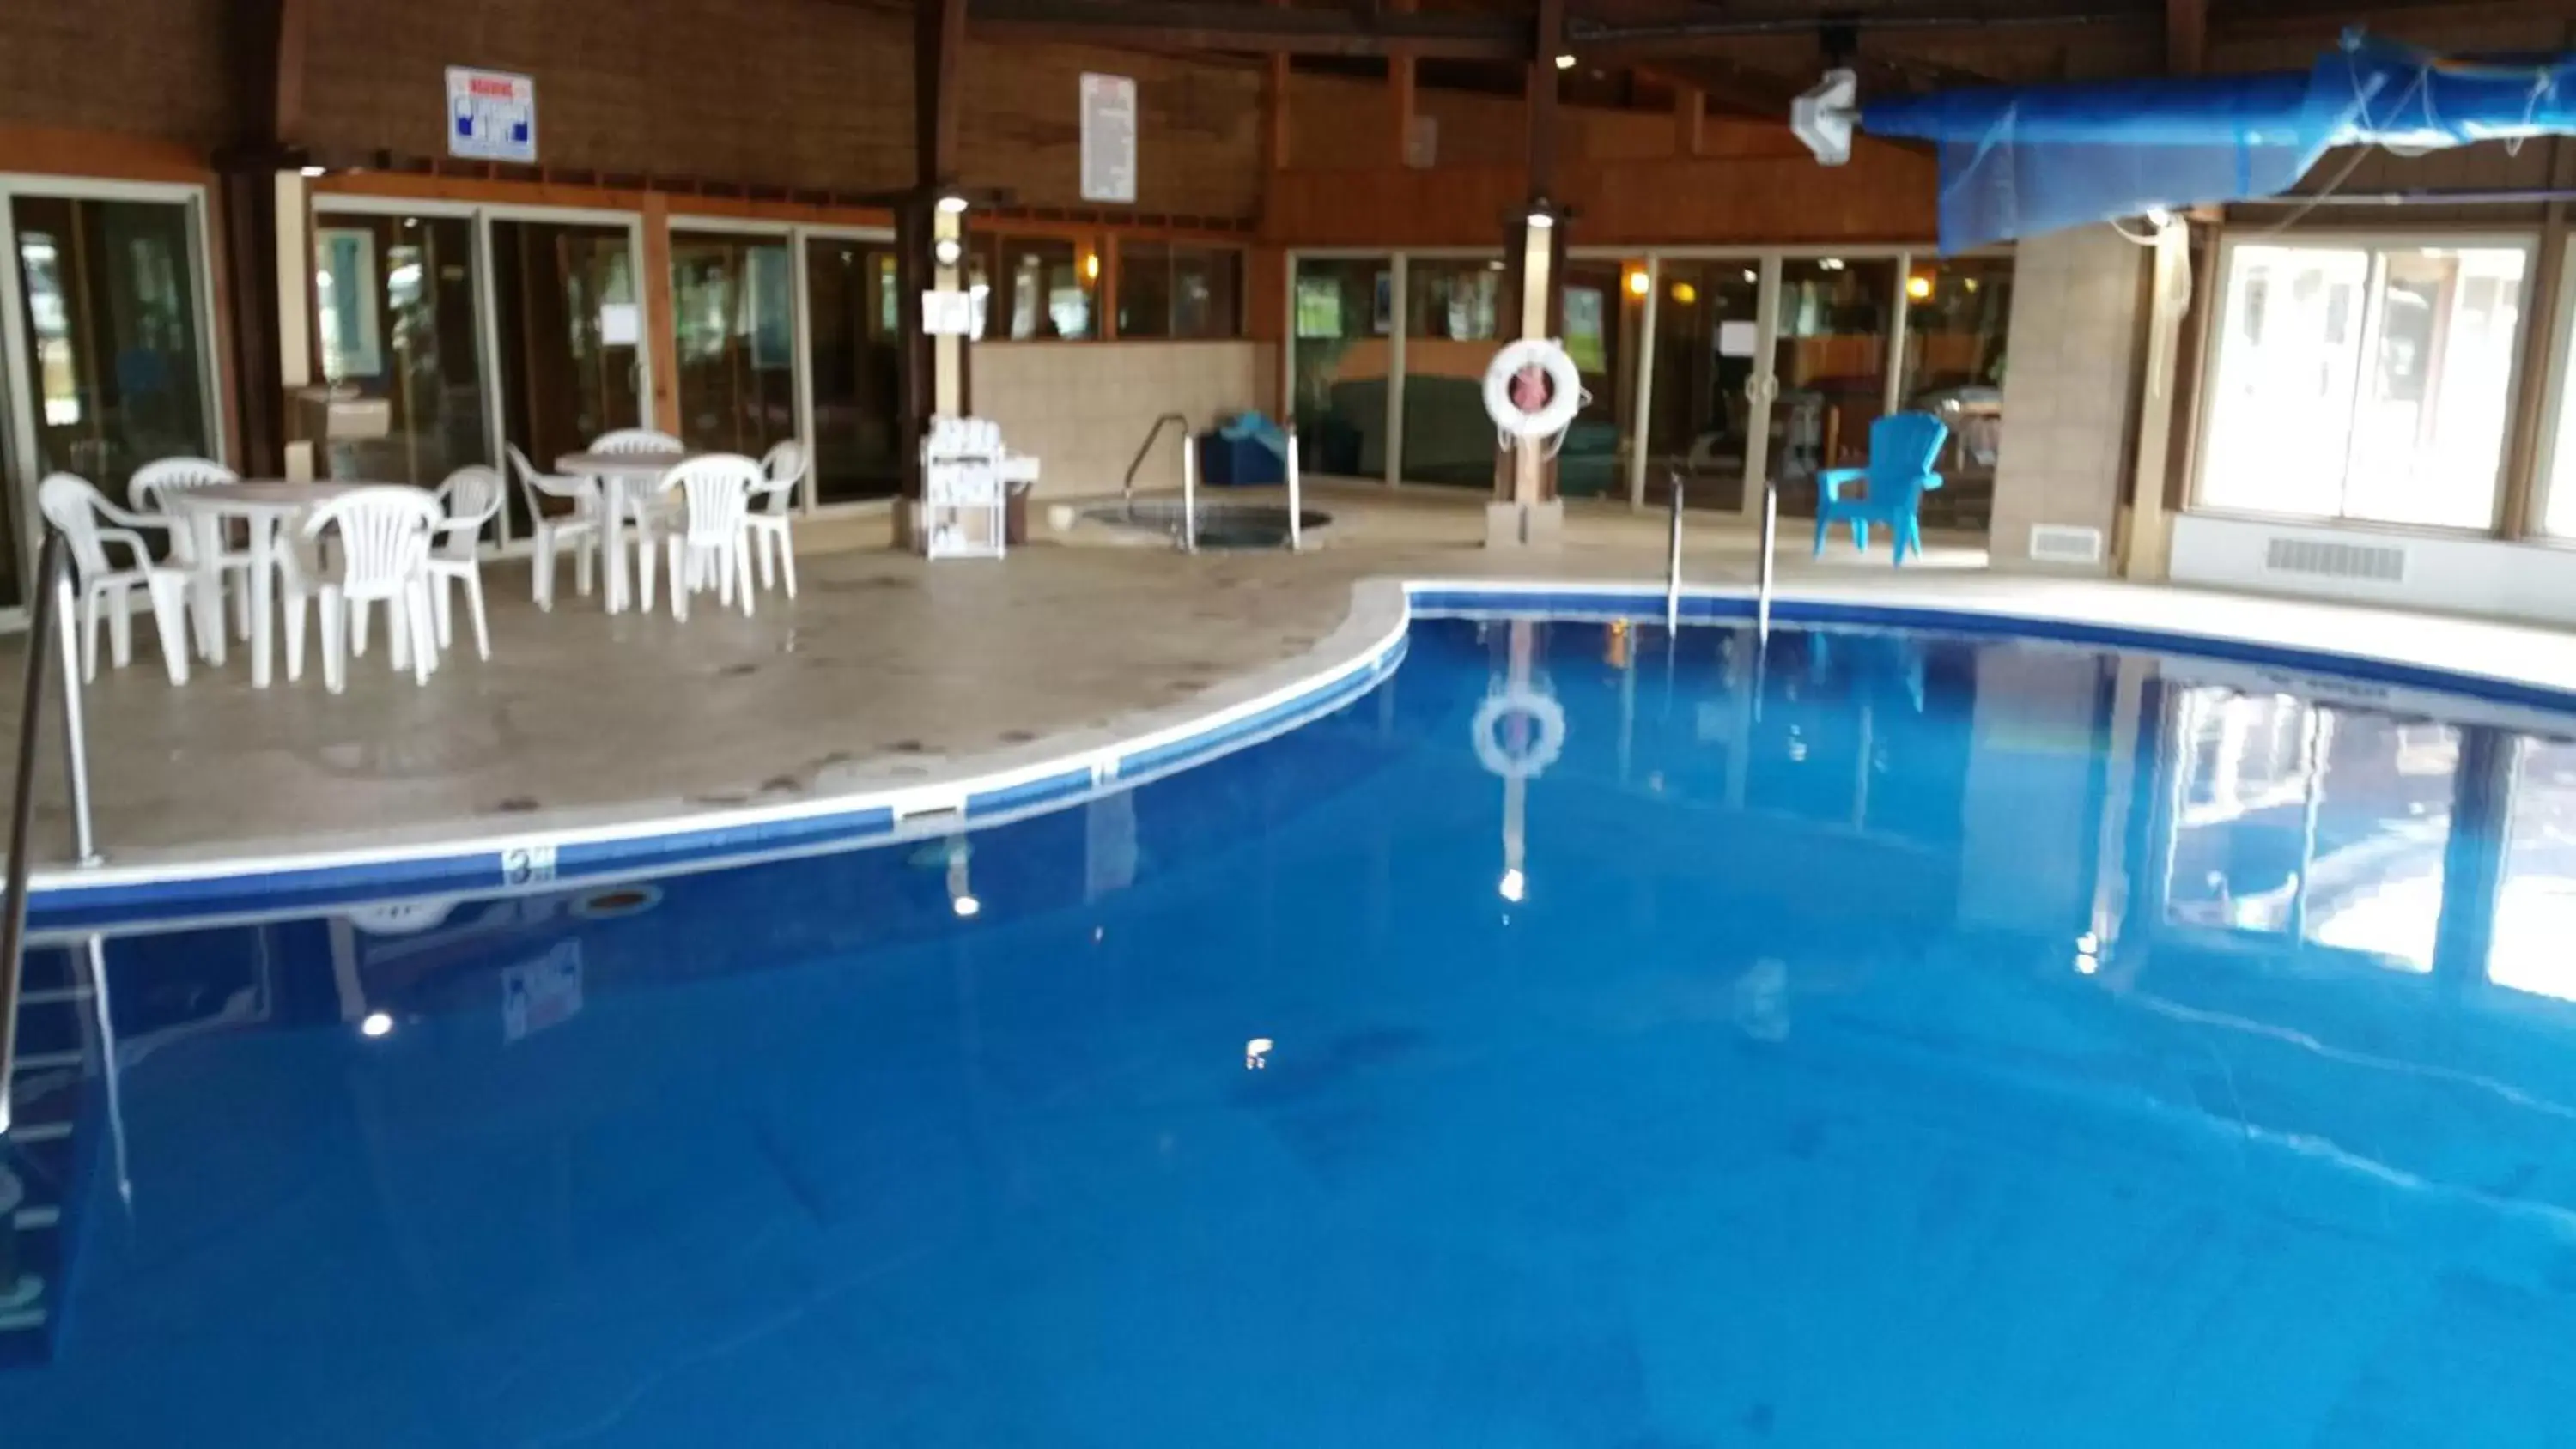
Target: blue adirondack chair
1902, 449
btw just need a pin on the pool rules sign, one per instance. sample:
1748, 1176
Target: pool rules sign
1108, 138
491, 115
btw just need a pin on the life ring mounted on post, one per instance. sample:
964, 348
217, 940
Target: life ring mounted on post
1513, 389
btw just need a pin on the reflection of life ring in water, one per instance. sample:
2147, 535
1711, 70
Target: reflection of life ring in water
1531, 734
1532, 389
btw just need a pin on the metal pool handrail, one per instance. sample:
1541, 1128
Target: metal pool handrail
53, 610
1673, 561
1127, 488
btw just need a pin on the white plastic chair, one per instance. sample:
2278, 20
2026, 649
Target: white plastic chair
713, 545
579, 528
650, 512
75, 507
385, 534
149, 492
773, 505
472, 495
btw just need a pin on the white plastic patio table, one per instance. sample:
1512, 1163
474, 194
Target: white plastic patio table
264, 504
617, 473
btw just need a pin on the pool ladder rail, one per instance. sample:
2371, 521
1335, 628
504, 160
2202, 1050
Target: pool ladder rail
35, 1154
1186, 537
1673, 558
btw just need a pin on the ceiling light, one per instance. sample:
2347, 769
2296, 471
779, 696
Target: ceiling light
377, 1023
309, 172
1565, 61
953, 204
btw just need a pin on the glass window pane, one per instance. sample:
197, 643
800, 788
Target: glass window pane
2535, 919
395, 302
1144, 289
1046, 289
1452, 318
1207, 292
1602, 316
733, 303
1831, 360
1345, 311
857, 354
116, 360
1705, 348
1958, 313
2366, 383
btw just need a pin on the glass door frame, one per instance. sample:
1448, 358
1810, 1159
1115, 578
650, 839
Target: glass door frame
1392, 475
487, 306
808, 494
15, 384
797, 235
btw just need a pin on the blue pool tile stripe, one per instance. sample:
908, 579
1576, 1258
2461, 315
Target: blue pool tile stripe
63, 900
66, 903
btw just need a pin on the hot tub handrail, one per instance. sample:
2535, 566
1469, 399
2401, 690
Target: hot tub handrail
52, 612
1127, 488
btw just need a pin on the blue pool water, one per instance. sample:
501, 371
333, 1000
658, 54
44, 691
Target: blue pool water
1870, 1039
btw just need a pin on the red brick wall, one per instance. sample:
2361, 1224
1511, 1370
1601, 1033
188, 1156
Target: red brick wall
154, 68
807, 93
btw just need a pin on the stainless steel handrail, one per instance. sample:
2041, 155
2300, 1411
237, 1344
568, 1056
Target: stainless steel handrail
1127, 488
1673, 564
1770, 538
22, 811
1296, 504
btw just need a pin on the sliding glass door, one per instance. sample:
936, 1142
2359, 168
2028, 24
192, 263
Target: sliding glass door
109, 365
854, 359
733, 303
396, 306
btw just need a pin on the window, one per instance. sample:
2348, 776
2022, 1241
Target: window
1179, 291
2363, 381
1039, 288
1957, 321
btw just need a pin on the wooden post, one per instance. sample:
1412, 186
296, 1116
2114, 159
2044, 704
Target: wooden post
662, 409
936, 367
1690, 115
1401, 100
1522, 514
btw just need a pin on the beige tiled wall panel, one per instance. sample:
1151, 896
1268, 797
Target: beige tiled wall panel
1084, 408
2069, 389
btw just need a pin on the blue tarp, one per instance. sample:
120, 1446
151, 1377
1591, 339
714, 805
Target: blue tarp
2018, 160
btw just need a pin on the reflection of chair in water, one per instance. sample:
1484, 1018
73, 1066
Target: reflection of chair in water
1902, 447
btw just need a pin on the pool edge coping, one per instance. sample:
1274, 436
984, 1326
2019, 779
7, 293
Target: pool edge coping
669, 837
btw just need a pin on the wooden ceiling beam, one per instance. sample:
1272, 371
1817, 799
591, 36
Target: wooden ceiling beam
1259, 29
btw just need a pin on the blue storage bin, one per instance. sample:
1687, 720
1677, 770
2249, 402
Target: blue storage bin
1226, 462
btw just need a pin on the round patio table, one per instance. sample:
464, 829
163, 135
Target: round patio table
264, 505
622, 477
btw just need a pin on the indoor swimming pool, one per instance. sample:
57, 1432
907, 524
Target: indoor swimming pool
1589, 1036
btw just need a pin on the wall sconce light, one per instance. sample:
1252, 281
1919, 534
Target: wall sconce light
953, 204
1918, 286
1091, 266
1638, 285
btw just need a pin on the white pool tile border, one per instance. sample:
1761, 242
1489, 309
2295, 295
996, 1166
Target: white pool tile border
877, 801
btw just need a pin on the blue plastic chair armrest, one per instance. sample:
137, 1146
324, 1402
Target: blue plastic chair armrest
1834, 478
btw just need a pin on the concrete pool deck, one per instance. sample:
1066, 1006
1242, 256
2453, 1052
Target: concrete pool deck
890, 673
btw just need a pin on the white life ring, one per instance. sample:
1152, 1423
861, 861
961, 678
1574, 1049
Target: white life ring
1498, 758
1565, 389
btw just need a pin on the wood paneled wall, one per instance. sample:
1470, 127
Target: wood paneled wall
1885, 194
152, 68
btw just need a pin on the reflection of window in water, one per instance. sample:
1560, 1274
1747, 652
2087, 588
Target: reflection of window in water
2322, 824
2534, 945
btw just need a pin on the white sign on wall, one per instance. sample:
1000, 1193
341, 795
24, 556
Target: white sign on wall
491, 115
1108, 138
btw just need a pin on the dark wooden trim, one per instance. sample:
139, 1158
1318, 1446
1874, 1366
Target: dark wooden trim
1261, 29
939, 48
